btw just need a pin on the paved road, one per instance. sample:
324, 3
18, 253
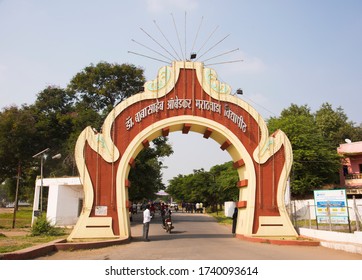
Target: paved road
198, 237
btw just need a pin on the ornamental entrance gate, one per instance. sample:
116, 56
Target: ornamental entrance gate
184, 97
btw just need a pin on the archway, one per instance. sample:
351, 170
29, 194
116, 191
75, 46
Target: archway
184, 97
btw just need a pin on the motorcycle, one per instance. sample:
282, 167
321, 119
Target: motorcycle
168, 225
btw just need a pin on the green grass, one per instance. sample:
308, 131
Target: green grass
22, 220
14, 243
221, 218
10, 243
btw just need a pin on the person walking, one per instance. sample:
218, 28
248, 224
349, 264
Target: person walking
235, 217
146, 222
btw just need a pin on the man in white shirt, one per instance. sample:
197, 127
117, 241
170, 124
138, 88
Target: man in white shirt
146, 222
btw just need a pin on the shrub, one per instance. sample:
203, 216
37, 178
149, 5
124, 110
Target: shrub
43, 227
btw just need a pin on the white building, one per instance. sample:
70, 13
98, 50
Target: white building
64, 200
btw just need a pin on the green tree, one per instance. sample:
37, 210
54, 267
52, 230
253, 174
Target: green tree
226, 178
17, 133
146, 177
201, 186
54, 112
335, 127
209, 187
196, 187
315, 162
97, 89
100, 87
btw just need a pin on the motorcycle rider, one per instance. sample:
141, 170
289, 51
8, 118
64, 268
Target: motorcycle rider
167, 220
165, 214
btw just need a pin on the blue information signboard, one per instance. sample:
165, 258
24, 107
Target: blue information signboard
331, 206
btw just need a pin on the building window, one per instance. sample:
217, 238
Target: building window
360, 168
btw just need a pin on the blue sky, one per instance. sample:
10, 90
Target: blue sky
301, 52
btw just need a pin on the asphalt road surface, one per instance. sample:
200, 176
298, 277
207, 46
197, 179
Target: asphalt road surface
198, 237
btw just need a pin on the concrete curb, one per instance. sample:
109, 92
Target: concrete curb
343, 246
70, 246
31, 252
59, 245
290, 242
349, 242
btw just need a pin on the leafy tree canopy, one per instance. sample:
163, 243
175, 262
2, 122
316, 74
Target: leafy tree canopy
146, 177
209, 187
17, 132
314, 139
102, 86
334, 125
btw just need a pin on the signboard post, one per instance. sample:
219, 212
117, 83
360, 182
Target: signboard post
331, 207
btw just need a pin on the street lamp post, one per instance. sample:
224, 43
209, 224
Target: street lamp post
42, 155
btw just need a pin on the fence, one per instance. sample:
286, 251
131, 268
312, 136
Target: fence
303, 214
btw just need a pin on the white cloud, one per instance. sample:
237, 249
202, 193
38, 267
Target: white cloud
159, 6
